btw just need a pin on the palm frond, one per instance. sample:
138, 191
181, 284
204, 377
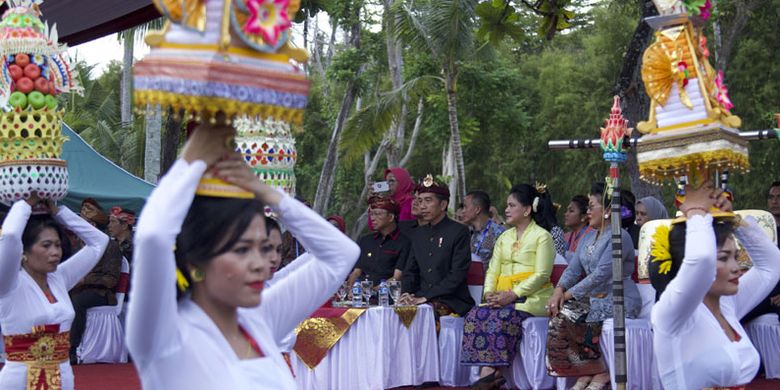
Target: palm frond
451, 25
366, 127
103, 139
138, 33
409, 27
133, 146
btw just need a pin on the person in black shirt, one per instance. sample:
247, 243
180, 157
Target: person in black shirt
436, 270
383, 253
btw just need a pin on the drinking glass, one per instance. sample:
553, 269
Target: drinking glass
367, 290
343, 292
395, 290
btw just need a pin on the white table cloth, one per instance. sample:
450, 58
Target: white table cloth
764, 332
377, 352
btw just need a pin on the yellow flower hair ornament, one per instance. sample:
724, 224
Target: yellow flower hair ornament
181, 281
659, 249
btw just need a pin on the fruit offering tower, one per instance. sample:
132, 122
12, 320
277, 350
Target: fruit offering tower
34, 70
269, 148
691, 129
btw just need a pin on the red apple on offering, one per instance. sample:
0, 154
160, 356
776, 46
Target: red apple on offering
32, 71
15, 71
42, 85
22, 59
24, 85
53, 89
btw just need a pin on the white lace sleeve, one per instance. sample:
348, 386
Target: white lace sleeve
152, 314
687, 290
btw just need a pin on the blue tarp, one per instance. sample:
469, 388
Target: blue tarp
93, 176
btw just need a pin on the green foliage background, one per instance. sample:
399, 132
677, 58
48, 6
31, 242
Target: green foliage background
517, 93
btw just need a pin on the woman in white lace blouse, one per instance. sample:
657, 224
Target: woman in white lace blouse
698, 339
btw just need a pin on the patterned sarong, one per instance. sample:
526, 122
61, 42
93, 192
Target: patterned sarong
573, 344
491, 336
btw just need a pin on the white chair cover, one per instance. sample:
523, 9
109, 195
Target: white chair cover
641, 367
528, 369
647, 293
764, 332
377, 352
104, 337
451, 372
476, 293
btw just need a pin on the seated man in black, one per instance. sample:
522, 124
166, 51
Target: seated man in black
383, 253
436, 270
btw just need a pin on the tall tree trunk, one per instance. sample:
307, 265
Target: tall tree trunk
743, 10
448, 169
170, 143
328, 176
415, 133
631, 89
306, 31
126, 99
152, 149
452, 111
395, 62
332, 43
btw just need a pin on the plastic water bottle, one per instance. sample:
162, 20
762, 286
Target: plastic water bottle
384, 294
357, 294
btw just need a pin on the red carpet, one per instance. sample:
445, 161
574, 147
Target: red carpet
106, 376
123, 377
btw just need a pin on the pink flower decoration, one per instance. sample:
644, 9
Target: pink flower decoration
706, 10
703, 46
723, 92
267, 18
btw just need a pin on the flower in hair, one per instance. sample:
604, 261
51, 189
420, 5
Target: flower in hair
181, 281
659, 249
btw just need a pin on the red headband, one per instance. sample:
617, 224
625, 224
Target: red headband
125, 216
385, 204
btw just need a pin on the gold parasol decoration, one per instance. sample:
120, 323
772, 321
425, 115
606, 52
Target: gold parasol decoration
662, 67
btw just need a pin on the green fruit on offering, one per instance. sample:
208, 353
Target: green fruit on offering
18, 100
36, 100
51, 102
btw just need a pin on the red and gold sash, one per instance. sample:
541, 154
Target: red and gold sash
42, 351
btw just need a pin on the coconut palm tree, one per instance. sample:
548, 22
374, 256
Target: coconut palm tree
129, 38
445, 28
95, 116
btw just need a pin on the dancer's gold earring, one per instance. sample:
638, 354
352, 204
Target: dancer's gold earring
197, 275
